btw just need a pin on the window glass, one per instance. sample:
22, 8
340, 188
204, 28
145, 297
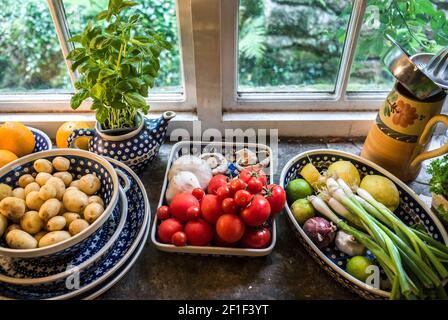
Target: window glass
419, 26
290, 46
159, 14
31, 59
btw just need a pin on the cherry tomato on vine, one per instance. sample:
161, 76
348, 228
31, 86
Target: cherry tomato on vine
242, 198
216, 182
256, 238
229, 206
198, 193
179, 239
223, 192
252, 171
230, 228
257, 212
193, 213
255, 185
163, 212
276, 197
236, 185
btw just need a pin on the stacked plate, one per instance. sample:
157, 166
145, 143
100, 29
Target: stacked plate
94, 268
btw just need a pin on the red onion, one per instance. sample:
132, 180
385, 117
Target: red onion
320, 231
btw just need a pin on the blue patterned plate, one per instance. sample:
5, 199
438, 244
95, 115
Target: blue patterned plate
411, 210
29, 271
134, 230
43, 142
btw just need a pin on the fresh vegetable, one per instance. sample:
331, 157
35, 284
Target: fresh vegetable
382, 189
215, 183
242, 198
168, 228
211, 208
276, 197
216, 161
312, 176
12, 208
198, 193
256, 238
75, 200
438, 169
199, 232
254, 185
320, 231
43, 165
163, 212
5, 191
193, 213
183, 181
56, 223
61, 163
194, 165
358, 267
77, 226
230, 228
229, 206
24, 180
31, 222
179, 239
53, 237
253, 172
180, 204
298, 189
347, 243
223, 192
302, 210
92, 212
257, 212
3, 224
346, 171
19, 239
236, 185
89, 184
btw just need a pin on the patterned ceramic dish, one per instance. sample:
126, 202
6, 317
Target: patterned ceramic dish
28, 271
411, 210
228, 149
81, 163
43, 142
134, 231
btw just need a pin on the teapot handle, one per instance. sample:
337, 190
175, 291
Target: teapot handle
77, 133
426, 135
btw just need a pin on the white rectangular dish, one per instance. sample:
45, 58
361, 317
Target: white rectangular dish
228, 150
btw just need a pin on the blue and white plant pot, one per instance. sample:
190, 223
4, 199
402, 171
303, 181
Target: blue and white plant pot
136, 148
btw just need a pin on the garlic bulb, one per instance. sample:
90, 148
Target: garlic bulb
348, 244
195, 165
183, 181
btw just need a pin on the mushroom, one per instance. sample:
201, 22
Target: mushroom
216, 161
246, 158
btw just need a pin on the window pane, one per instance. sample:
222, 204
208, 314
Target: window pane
30, 56
159, 14
417, 25
291, 46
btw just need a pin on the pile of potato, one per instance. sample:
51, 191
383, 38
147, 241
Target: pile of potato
50, 207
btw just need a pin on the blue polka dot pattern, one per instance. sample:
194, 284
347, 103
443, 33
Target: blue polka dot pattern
43, 142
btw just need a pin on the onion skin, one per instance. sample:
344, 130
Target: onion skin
320, 231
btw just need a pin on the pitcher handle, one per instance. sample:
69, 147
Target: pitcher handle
126, 181
426, 135
77, 133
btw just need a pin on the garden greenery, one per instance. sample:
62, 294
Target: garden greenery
118, 62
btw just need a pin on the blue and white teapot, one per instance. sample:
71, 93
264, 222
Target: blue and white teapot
136, 148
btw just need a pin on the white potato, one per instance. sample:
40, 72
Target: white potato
31, 222
56, 223
19, 193
42, 178
75, 200
33, 186
47, 191
49, 209
33, 201
89, 184
5, 191
74, 184
77, 226
43, 165
96, 199
3, 224
61, 163
12, 208
59, 185
93, 211
70, 217
19, 239
11, 227
53, 237
25, 180
65, 176
39, 235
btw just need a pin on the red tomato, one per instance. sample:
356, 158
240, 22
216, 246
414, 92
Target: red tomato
230, 228
216, 182
198, 193
229, 206
252, 171
257, 212
179, 239
211, 208
217, 241
242, 198
254, 185
276, 197
236, 184
163, 212
193, 213
256, 238
169, 227
223, 192
199, 232
180, 204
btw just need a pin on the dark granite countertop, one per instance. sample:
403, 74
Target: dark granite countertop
287, 273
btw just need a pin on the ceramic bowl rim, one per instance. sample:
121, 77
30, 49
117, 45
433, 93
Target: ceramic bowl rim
122, 137
44, 135
44, 251
384, 172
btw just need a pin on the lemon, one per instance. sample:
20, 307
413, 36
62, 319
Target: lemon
312, 176
346, 171
382, 189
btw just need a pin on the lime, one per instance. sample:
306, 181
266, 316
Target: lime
302, 210
357, 267
298, 189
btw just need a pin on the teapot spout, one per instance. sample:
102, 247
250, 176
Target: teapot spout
168, 115
157, 127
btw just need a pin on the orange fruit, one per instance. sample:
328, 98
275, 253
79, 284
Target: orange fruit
17, 138
6, 157
66, 129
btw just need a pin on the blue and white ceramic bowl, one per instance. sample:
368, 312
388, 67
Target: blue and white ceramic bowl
81, 163
412, 210
43, 142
